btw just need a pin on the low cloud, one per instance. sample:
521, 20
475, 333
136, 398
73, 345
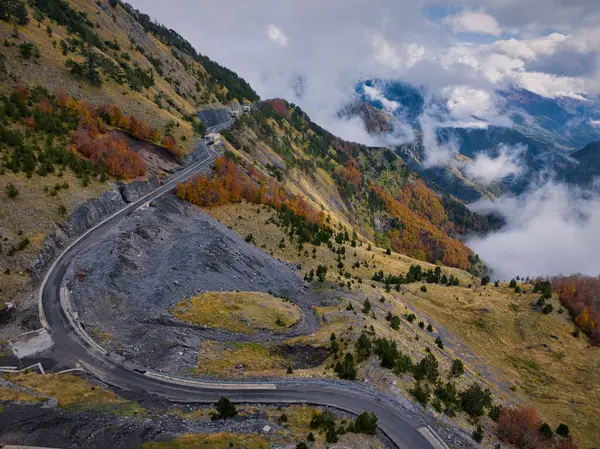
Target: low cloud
551, 229
374, 94
488, 169
277, 35
436, 154
473, 22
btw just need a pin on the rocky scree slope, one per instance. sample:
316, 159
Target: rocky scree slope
125, 283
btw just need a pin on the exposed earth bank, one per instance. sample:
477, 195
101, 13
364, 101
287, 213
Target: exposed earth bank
124, 284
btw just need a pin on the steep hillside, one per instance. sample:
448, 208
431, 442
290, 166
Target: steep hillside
93, 95
585, 168
370, 189
544, 130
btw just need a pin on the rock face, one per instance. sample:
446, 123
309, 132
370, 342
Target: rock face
212, 117
376, 121
134, 190
125, 282
84, 217
94, 210
199, 153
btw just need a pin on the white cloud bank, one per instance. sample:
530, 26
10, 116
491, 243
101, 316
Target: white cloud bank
550, 230
473, 22
487, 169
277, 35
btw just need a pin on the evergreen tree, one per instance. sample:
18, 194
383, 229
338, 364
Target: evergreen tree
225, 409
366, 423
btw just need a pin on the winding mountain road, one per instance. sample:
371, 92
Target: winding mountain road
73, 341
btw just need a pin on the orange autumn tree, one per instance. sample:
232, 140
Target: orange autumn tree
581, 296
418, 238
110, 152
519, 426
230, 184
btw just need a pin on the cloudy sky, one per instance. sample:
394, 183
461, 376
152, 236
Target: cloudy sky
463, 49
313, 53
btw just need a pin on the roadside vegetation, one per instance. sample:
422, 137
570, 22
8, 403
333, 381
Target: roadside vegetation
70, 390
300, 426
244, 312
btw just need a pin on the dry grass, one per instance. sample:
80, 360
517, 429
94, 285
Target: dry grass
556, 373
243, 312
245, 218
50, 69
501, 340
285, 432
12, 394
236, 360
72, 391
212, 441
34, 213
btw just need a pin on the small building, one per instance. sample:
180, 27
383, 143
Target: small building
246, 108
234, 113
212, 138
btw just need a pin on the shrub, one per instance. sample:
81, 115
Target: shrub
363, 347
331, 435
478, 434
11, 190
439, 343
519, 427
346, 369
366, 306
27, 50
420, 393
403, 364
446, 393
547, 309
562, 430
428, 368
366, 423
321, 421
301, 445
411, 317
475, 399
546, 431
430, 327
458, 368
424, 288
248, 238
225, 409
485, 280
495, 412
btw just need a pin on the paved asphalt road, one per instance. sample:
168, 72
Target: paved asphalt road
71, 343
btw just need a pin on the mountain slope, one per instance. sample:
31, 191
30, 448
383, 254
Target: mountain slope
91, 94
371, 189
543, 133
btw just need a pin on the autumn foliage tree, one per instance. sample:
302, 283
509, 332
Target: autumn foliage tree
110, 152
519, 426
581, 296
230, 184
417, 237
